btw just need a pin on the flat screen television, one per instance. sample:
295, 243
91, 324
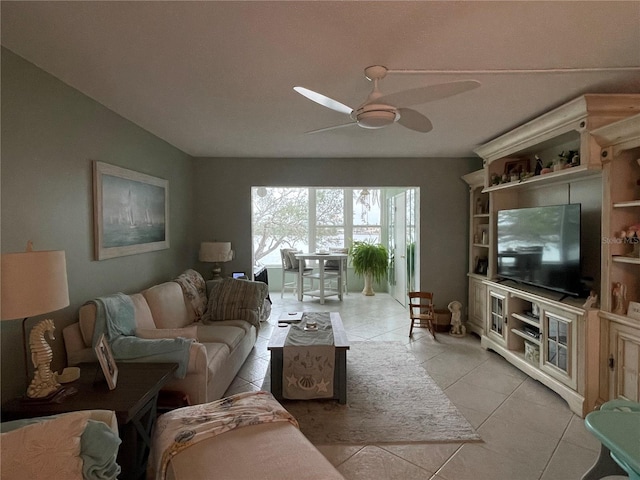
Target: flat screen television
540, 246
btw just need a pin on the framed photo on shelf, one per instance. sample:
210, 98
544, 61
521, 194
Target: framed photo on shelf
107, 362
482, 265
516, 166
130, 212
634, 310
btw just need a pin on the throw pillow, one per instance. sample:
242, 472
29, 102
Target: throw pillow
233, 299
285, 257
45, 450
155, 333
294, 261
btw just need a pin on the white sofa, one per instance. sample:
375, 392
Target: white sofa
163, 311
73, 446
244, 436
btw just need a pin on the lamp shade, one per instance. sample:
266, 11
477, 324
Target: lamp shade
33, 283
215, 252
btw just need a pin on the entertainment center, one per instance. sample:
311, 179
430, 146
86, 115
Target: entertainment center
546, 215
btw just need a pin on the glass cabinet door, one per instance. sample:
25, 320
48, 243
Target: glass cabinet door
558, 336
497, 317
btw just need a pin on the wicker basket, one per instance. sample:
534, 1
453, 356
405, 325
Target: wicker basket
442, 320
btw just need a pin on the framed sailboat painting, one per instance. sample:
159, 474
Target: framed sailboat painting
130, 210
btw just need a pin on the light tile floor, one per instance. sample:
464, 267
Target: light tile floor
528, 431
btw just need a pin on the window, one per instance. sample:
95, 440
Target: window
311, 219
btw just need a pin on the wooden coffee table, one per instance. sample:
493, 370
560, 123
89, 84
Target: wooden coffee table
134, 401
341, 342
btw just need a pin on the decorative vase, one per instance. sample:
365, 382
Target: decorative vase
368, 285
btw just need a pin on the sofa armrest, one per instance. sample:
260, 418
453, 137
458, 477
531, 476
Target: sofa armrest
197, 358
77, 350
105, 416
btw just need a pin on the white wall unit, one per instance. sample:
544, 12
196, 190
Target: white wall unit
561, 345
553, 342
620, 348
479, 244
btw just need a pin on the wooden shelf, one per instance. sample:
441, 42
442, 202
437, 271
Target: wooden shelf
481, 215
622, 319
523, 318
522, 334
631, 203
623, 259
549, 178
476, 276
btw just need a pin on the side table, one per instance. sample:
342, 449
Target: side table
134, 401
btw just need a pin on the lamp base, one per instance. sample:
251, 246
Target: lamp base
54, 397
217, 271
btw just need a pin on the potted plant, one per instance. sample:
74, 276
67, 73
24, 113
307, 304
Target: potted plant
371, 261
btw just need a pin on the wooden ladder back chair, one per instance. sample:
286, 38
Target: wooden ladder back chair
421, 311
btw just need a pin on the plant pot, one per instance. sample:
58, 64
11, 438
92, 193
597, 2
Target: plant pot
368, 285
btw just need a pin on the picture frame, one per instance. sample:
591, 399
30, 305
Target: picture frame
130, 210
516, 166
633, 311
107, 362
482, 266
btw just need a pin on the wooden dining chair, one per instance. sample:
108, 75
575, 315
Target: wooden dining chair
421, 311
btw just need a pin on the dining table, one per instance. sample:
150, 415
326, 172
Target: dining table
322, 292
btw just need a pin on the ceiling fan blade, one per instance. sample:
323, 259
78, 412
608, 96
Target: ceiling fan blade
324, 100
332, 128
414, 120
429, 93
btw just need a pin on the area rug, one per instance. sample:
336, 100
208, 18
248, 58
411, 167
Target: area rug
390, 399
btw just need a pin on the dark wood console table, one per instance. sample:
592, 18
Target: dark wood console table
134, 401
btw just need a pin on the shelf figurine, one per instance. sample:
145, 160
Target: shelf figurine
592, 300
619, 295
539, 166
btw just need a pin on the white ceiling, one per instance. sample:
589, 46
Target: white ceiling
215, 78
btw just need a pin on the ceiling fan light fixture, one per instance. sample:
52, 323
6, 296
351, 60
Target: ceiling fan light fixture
376, 116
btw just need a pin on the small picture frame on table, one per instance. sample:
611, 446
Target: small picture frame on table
107, 362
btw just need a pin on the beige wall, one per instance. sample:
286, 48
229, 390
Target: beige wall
50, 135
443, 205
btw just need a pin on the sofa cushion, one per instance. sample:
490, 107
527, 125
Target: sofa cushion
228, 334
142, 312
204, 330
45, 450
167, 305
154, 333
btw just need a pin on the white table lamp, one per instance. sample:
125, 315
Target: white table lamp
216, 253
35, 283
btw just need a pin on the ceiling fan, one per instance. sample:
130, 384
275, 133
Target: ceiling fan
380, 110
